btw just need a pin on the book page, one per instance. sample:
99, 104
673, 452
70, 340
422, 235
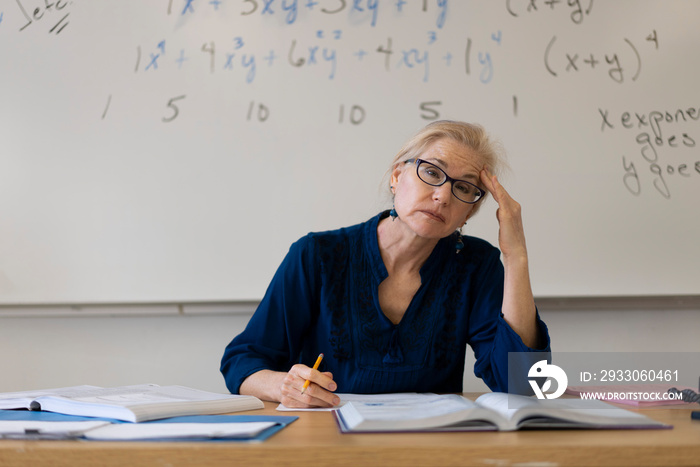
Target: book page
23, 399
506, 405
415, 412
147, 402
517, 408
411, 406
71, 390
126, 396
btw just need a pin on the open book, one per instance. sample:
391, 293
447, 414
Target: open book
129, 403
492, 411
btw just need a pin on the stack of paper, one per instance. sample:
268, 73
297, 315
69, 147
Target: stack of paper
169, 412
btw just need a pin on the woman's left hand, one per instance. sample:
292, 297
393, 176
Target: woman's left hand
511, 235
518, 303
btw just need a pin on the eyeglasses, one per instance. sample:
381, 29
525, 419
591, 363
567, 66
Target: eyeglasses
435, 176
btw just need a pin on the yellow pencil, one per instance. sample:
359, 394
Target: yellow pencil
307, 382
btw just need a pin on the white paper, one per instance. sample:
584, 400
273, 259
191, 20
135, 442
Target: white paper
154, 431
34, 429
404, 397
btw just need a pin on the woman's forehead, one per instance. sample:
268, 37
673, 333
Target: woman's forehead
451, 154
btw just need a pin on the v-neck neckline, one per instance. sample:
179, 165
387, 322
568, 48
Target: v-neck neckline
380, 272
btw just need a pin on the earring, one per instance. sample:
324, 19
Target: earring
460, 244
393, 214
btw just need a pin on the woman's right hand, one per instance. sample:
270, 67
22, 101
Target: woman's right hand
286, 387
319, 393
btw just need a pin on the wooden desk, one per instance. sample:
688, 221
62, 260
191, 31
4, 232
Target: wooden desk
314, 440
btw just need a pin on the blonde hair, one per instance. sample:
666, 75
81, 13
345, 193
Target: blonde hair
470, 135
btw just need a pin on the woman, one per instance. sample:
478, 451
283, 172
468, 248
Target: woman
392, 303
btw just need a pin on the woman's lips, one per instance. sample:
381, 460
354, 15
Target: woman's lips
434, 215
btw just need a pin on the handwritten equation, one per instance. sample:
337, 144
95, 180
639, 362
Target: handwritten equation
52, 13
386, 55
557, 62
289, 9
329, 50
577, 12
421, 56
654, 140
323, 53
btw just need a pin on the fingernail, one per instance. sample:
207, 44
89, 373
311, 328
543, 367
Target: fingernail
336, 400
332, 386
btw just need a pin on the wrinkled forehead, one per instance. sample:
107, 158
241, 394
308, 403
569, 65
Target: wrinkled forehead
454, 157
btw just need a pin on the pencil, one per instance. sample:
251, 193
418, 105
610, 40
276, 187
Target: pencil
307, 382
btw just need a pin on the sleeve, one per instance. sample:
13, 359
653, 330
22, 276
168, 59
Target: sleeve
492, 339
273, 337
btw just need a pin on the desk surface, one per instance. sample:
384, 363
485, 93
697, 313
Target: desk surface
314, 440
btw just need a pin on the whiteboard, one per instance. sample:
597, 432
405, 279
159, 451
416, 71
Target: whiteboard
172, 150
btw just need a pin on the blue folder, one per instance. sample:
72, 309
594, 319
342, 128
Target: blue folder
280, 421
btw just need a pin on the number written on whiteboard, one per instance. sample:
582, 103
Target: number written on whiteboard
173, 108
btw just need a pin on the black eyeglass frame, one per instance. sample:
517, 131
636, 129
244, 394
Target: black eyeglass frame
452, 181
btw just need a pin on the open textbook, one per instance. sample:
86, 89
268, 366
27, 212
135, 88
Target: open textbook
129, 403
491, 411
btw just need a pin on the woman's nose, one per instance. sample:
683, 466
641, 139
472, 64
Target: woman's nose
443, 193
